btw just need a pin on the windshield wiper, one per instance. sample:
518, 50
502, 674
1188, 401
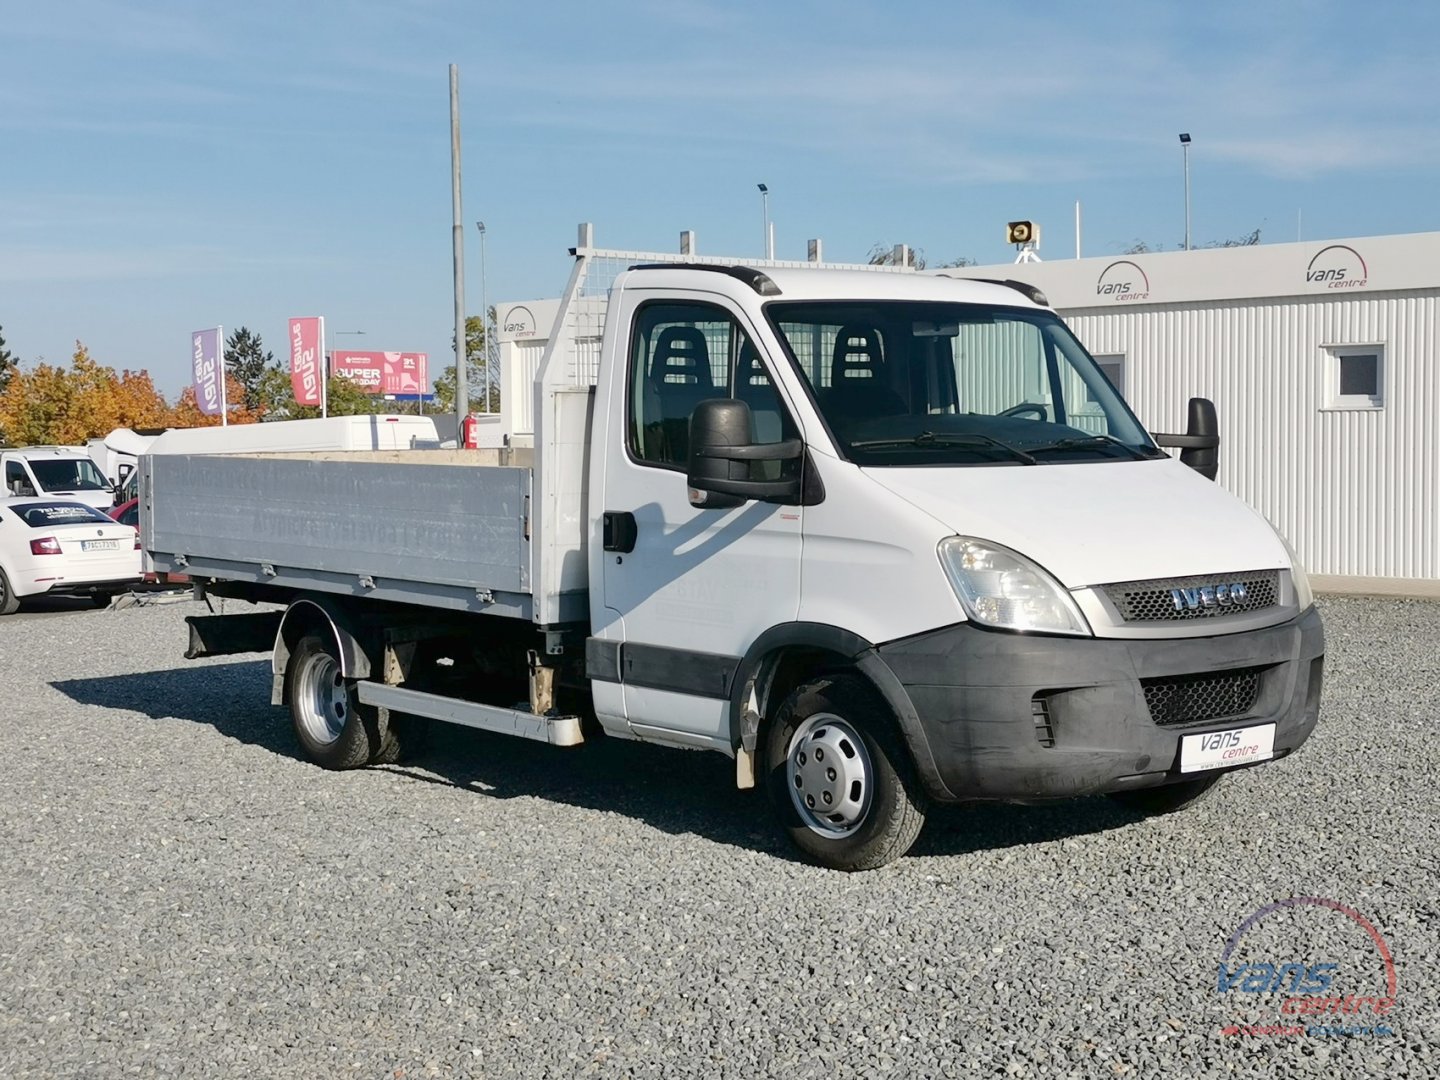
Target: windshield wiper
930, 438
1090, 442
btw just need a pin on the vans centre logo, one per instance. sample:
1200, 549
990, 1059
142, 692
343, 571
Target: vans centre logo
1339, 981
1337, 267
519, 322
1121, 281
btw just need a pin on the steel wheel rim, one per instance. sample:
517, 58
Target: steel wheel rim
830, 775
323, 702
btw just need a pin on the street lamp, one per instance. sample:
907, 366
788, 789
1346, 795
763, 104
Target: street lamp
484, 313
1185, 146
765, 208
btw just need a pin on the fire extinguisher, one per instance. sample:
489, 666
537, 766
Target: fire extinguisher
469, 431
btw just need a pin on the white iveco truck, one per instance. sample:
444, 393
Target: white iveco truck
883, 537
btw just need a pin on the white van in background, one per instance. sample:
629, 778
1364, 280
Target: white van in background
117, 454
64, 472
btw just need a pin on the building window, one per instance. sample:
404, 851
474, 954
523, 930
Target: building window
1113, 365
1355, 376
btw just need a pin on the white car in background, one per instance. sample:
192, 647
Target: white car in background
56, 547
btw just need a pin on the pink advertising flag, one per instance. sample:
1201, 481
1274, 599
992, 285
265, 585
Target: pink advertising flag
307, 365
205, 346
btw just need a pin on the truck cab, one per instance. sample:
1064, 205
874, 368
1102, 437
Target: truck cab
904, 526
55, 472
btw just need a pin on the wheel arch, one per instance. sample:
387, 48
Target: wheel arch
787, 655
321, 614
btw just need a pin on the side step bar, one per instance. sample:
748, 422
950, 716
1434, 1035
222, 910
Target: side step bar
555, 730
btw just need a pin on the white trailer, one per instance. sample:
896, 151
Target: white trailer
883, 538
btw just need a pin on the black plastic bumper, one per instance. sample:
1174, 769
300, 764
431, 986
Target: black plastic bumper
1020, 717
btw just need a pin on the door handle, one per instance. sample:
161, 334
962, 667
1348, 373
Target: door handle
620, 530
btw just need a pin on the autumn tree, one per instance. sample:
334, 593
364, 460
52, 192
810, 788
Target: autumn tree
34, 404
187, 414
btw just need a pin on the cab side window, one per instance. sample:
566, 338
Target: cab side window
682, 354
16, 481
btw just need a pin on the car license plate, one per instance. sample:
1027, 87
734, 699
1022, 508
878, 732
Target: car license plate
1222, 749
99, 545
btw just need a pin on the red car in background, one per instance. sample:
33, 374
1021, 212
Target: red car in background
128, 513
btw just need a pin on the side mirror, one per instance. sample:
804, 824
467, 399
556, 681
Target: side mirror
720, 457
1200, 445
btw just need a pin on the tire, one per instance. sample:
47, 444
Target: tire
101, 600
405, 737
9, 602
334, 730
867, 808
1166, 799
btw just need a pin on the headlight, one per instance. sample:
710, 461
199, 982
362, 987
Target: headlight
1000, 587
1304, 595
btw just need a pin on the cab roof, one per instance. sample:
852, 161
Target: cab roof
822, 283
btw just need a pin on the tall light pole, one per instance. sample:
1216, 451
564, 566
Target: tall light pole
484, 313
457, 240
765, 208
1185, 147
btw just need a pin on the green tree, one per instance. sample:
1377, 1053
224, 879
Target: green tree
276, 399
476, 361
247, 360
7, 363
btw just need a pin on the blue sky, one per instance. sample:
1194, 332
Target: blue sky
169, 165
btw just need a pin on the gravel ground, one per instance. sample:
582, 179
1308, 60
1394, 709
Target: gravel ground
182, 895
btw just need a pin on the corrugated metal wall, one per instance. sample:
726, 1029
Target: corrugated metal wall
1356, 491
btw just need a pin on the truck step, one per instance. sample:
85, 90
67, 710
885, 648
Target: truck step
555, 730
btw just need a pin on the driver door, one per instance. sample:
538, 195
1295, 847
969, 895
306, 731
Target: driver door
696, 586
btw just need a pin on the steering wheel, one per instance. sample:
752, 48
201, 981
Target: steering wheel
1023, 408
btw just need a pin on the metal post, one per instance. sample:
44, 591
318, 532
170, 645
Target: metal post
484, 313
1185, 146
769, 237
457, 233
224, 402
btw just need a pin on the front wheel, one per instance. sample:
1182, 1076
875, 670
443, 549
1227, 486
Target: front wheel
334, 730
839, 777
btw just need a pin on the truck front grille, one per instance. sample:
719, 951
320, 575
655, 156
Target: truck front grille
1156, 600
1193, 699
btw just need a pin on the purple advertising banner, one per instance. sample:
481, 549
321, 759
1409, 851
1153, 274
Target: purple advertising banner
205, 355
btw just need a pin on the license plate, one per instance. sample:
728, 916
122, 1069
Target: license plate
1222, 749
99, 545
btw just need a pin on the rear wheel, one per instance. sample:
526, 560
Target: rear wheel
9, 602
1167, 798
405, 736
839, 776
334, 730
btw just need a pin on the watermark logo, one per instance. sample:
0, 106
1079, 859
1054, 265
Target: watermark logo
1318, 996
1337, 266
1123, 281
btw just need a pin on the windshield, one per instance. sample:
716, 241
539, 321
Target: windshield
916, 383
67, 474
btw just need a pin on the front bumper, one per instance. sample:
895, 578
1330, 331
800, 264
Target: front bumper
1020, 717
